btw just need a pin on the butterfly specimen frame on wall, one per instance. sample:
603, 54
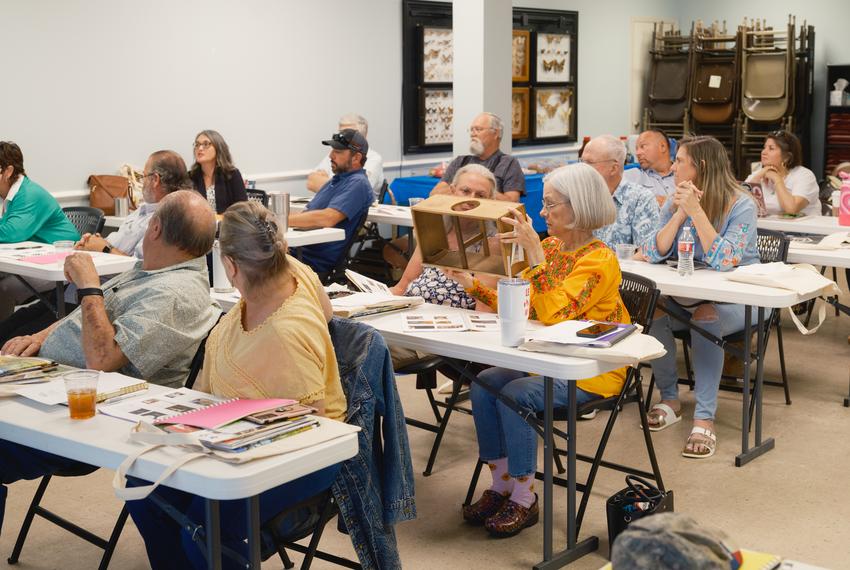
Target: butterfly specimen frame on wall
437, 55
521, 50
553, 112
520, 100
553, 58
437, 113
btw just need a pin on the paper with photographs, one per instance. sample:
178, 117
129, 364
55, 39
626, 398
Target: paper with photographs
481, 322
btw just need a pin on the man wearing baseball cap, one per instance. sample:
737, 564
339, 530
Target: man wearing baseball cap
342, 202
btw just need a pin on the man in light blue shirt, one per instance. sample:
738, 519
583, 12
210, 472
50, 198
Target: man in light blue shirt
638, 214
655, 172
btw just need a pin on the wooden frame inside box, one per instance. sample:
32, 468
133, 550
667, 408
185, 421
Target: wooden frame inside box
432, 238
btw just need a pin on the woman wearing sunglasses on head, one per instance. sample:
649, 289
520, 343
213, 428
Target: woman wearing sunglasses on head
214, 174
787, 186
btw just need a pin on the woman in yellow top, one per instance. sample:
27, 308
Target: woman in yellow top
273, 344
573, 276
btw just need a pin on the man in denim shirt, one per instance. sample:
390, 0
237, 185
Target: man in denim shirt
341, 203
638, 214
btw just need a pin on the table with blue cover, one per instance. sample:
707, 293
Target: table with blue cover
407, 187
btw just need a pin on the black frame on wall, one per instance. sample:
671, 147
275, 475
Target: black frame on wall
419, 14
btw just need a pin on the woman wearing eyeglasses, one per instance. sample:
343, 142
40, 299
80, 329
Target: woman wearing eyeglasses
573, 275
787, 186
723, 217
214, 174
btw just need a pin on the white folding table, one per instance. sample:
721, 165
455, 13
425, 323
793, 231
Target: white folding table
11, 262
709, 285
379, 214
825, 257
103, 441
818, 225
486, 348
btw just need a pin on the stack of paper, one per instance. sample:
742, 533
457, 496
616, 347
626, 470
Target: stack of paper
363, 304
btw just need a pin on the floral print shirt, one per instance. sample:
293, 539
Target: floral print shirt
637, 216
736, 242
574, 285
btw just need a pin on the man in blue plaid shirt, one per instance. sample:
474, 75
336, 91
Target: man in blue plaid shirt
638, 214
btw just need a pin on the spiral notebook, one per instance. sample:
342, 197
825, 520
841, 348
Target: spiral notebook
216, 415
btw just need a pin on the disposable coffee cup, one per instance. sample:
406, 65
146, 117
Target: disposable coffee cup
221, 284
625, 252
122, 207
279, 205
81, 389
514, 302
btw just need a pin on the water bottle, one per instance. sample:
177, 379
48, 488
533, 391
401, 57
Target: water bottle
686, 252
844, 199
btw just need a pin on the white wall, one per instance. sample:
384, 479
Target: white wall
94, 83
832, 38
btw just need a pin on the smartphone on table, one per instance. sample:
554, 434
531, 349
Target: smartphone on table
596, 330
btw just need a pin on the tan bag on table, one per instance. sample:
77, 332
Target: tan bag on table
104, 188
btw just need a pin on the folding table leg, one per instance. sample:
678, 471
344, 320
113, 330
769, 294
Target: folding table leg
60, 299
253, 510
760, 447
213, 535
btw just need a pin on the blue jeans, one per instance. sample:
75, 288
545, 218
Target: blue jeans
706, 357
501, 431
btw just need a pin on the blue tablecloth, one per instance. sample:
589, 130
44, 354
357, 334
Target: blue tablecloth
408, 187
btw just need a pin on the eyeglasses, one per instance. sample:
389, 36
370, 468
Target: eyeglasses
476, 130
592, 162
467, 191
149, 174
549, 205
202, 144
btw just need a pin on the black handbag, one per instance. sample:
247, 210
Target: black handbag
636, 501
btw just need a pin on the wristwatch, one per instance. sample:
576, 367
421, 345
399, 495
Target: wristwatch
107, 248
86, 291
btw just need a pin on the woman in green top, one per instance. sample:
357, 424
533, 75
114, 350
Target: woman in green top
29, 213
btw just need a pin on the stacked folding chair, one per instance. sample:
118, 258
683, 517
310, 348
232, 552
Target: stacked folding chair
768, 64
714, 88
668, 81
804, 84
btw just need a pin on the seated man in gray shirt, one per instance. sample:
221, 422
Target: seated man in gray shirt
485, 134
146, 322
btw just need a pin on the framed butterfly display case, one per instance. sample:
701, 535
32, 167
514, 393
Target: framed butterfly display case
543, 77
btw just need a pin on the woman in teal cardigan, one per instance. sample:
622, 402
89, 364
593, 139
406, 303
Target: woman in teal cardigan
29, 213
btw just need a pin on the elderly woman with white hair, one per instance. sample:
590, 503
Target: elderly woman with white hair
573, 275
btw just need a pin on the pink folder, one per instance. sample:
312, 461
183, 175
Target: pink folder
46, 259
223, 413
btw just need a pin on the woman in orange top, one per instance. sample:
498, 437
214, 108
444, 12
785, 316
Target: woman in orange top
573, 276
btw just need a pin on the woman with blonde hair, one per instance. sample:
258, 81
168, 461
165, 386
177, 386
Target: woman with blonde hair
274, 343
723, 218
573, 275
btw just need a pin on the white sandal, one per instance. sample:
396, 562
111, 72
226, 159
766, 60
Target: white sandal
704, 437
664, 421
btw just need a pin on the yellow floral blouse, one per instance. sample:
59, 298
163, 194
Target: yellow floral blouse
574, 285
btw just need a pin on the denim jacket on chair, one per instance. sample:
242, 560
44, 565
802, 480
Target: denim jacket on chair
374, 489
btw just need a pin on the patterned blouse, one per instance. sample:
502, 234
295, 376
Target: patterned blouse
574, 285
735, 244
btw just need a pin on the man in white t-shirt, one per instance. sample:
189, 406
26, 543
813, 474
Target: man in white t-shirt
374, 166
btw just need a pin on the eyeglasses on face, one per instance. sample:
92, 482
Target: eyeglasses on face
592, 162
202, 144
549, 205
476, 130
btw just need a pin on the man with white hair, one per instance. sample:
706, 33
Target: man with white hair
485, 134
374, 166
656, 166
638, 214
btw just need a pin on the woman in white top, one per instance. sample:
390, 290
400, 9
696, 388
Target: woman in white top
788, 187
